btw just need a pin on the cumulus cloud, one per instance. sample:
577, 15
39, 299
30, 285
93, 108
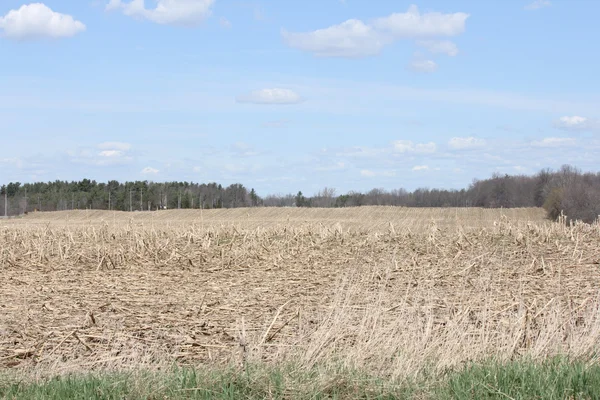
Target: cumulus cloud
554, 142
407, 146
413, 24
355, 38
460, 143
420, 168
149, 171
576, 123
270, 96
439, 47
36, 20
352, 38
537, 4
166, 12
426, 66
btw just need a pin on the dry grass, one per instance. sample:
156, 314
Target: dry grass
430, 291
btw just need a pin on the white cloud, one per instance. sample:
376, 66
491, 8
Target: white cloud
14, 161
439, 47
420, 168
537, 4
367, 172
371, 174
554, 142
407, 146
352, 38
459, 143
36, 20
114, 146
149, 171
167, 12
575, 123
360, 152
270, 96
413, 24
355, 38
426, 66
110, 153
113, 5
106, 153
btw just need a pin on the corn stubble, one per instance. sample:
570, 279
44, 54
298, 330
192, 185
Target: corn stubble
409, 290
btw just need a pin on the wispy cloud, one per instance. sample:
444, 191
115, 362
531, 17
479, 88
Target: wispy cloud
537, 4
372, 174
149, 171
554, 142
461, 143
241, 149
270, 96
427, 66
407, 146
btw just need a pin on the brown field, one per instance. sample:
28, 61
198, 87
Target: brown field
350, 219
388, 290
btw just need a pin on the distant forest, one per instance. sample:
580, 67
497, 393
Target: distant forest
567, 190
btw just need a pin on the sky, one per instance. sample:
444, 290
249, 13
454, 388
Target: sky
283, 96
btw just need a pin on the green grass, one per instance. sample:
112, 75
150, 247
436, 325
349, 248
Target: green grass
257, 383
553, 379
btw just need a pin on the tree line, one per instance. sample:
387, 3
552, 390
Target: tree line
567, 190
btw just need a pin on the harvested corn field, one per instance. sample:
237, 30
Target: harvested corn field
390, 291
348, 219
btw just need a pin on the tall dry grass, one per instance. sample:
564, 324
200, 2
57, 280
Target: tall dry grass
392, 302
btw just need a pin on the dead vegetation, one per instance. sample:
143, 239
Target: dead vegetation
408, 289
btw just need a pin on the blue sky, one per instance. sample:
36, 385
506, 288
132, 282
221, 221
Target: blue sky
297, 95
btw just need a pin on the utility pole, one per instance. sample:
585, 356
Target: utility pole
179, 201
72, 201
141, 197
5, 203
130, 203
109, 200
25, 210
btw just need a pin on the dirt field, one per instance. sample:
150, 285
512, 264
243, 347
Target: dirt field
390, 290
